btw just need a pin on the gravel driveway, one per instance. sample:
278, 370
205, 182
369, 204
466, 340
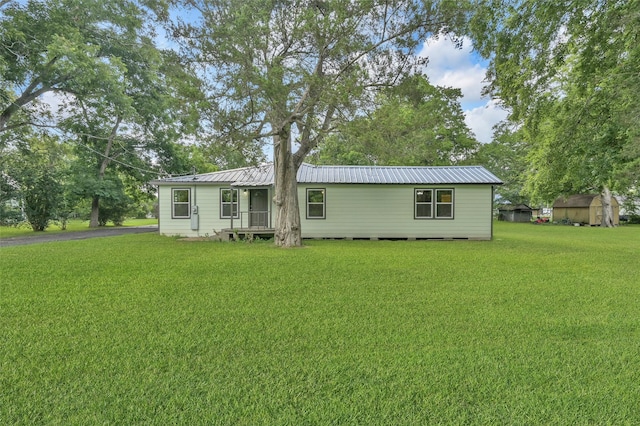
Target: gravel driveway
43, 237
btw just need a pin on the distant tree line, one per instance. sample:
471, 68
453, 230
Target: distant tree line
98, 98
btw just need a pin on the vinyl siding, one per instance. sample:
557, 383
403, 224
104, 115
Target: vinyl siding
387, 211
207, 198
352, 211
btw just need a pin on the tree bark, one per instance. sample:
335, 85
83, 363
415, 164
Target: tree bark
287, 214
607, 208
16, 104
95, 211
95, 201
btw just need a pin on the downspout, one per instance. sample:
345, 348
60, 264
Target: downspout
231, 207
195, 214
493, 195
158, 210
195, 204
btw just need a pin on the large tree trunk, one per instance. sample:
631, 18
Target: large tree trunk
95, 211
607, 208
287, 213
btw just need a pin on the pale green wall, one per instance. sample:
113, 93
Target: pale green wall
352, 211
207, 197
387, 211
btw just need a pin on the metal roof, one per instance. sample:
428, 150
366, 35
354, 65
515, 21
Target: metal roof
417, 175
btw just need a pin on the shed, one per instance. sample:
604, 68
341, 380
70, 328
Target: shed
583, 208
373, 202
515, 213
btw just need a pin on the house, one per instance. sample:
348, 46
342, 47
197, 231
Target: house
583, 208
335, 202
515, 213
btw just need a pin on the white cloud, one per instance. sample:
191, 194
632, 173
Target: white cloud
482, 119
53, 100
452, 67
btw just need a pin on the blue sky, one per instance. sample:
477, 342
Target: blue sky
464, 69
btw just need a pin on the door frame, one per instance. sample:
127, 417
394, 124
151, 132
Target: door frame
263, 219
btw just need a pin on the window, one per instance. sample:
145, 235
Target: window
181, 203
444, 203
315, 204
433, 203
423, 203
228, 203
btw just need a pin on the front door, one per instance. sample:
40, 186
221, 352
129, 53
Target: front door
259, 208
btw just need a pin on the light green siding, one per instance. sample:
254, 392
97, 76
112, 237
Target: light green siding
207, 198
352, 211
387, 211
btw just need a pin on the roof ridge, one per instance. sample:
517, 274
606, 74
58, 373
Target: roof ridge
395, 167
263, 174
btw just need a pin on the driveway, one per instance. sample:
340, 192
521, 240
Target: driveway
43, 237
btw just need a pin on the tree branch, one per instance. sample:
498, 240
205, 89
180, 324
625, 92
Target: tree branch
107, 151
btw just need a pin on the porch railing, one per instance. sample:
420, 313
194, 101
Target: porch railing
252, 219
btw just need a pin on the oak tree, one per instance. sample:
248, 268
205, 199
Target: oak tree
287, 70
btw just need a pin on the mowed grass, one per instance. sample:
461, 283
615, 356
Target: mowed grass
539, 326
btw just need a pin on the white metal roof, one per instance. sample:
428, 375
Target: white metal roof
417, 175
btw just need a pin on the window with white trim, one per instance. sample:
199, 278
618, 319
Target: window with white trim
228, 203
433, 203
316, 203
180, 203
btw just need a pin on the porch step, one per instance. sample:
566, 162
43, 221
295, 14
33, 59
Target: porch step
229, 234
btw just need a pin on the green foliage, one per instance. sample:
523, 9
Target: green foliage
532, 328
415, 123
41, 193
10, 214
506, 157
110, 190
32, 174
568, 71
58, 46
123, 102
114, 208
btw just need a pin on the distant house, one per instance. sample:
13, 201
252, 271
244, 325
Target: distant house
515, 213
585, 209
335, 202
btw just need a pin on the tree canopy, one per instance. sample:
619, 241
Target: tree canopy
61, 46
569, 72
415, 124
121, 101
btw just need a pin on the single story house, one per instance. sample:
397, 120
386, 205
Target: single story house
515, 213
583, 208
335, 202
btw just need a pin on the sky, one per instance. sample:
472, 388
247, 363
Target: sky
463, 69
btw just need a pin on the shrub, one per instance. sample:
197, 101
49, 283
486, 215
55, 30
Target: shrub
634, 219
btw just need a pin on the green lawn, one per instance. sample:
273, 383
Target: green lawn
539, 326
73, 225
